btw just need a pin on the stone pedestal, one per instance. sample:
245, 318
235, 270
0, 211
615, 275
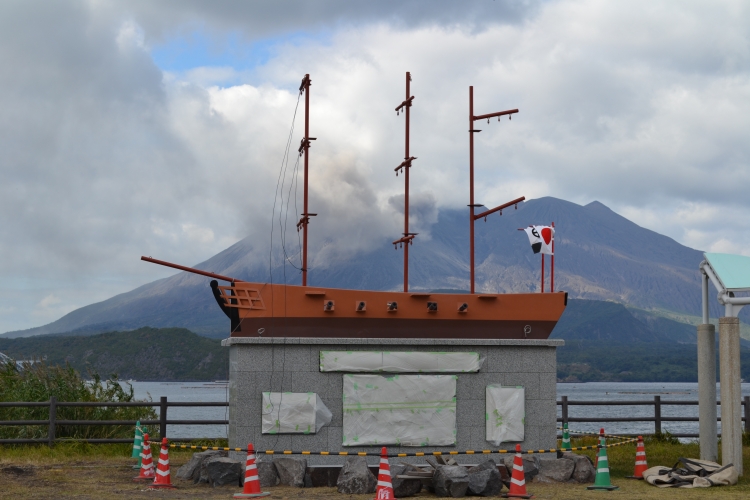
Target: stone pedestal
293, 365
707, 392
731, 392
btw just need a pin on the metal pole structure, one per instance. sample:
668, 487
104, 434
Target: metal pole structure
552, 263
472, 205
709, 444
405, 166
471, 184
729, 368
305, 149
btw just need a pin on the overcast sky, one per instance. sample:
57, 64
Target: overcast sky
159, 128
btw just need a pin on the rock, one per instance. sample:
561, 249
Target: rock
530, 465
223, 470
583, 471
201, 474
404, 487
291, 471
355, 478
267, 474
504, 476
322, 476
433, 462
555, 470
192, 469
485, 479
450, 481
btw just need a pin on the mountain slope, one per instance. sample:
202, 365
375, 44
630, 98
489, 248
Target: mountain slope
168, 354
599, 255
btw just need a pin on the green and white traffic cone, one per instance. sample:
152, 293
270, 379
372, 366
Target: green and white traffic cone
602, 482
565, 438
137, 444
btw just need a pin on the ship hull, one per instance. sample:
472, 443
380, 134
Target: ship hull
395, 328
293, 311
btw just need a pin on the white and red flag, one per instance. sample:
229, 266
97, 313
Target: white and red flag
540, 238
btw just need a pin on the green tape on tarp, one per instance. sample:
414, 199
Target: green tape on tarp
400, 362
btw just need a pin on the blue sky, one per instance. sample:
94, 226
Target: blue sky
200, 48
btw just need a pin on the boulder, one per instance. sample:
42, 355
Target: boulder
555, 471
485, 480
291, 471
405, 487
450, 481
267, 474
192, 469
355, 477
223, 470
583, 471
530, 465
322, 476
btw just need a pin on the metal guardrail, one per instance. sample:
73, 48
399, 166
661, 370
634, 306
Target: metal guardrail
657, 419
163, 404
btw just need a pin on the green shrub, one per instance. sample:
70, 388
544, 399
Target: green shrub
37, 382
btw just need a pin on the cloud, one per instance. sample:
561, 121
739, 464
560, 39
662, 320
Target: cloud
106, 156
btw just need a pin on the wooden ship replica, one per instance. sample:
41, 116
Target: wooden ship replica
281, 310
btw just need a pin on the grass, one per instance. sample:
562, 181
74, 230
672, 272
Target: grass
37, 382
73, 470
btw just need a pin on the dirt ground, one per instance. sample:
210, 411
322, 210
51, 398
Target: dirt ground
111, 478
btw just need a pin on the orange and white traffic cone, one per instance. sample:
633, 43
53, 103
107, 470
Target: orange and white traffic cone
640, 460
147, 464
251, 487
517, 479
385, 486
162, 479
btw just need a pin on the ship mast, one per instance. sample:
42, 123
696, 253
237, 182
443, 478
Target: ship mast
407, 238
304, 148
473, 217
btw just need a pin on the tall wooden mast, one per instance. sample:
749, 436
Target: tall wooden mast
473, 217
407, 238
304, 148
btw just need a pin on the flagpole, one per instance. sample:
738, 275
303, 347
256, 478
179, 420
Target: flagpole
542, 272
552, 262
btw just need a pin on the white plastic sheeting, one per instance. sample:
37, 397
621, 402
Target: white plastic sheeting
405, 410
505, 414
293, 413
399, 362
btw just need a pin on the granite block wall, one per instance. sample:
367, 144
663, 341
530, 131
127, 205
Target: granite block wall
292, 364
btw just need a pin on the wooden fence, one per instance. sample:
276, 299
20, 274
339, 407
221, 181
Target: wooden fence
163, 404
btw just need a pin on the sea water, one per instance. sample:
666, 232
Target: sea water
591, 391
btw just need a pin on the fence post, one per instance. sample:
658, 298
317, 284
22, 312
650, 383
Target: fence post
657, 414
163, 417
52, 421
747, 413
564, 409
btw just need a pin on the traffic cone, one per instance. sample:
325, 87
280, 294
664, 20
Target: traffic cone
162, 479
147, 465
385, 487
517, 479
251, 488
640, 460
137, 444
601, 481
565, 446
